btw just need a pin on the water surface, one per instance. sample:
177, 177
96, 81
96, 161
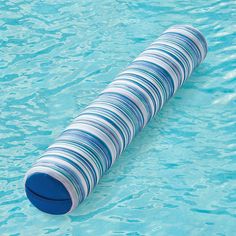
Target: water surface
178, 177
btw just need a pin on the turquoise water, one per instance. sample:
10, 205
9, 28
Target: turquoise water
178, 177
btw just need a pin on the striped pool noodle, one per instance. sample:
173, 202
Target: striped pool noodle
71, 167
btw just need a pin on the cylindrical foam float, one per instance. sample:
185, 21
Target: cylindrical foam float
71, 167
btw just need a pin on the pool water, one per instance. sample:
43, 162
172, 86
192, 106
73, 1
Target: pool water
178, 177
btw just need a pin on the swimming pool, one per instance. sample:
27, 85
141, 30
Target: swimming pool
178, 177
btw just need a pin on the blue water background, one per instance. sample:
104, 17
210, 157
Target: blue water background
178, 177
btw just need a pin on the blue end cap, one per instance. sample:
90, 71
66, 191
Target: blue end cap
47, 194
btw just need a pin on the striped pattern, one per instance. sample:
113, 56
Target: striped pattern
91, 144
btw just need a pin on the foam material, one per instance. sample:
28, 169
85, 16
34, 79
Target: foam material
71, 167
